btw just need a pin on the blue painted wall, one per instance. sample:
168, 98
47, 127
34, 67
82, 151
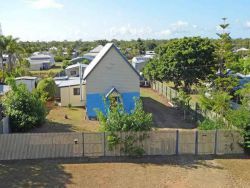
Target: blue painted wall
96, 101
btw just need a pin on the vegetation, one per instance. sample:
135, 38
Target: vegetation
208, 124
184, 61
25, 109
46, 89
16, 63
224, 49
117, 120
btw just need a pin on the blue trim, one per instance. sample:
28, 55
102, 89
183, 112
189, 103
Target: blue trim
96, 102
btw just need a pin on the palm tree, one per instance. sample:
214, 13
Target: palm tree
9, 46
2, 50
12, 49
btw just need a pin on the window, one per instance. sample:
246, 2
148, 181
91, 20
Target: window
76, 91
72, 72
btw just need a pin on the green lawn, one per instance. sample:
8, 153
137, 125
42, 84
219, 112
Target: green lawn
50, 72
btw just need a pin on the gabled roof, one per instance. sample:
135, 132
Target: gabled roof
100, 56
112, 91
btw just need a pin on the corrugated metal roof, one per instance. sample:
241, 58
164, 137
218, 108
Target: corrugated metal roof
26, 78
99, 57
72, 81
76, 65
97, 49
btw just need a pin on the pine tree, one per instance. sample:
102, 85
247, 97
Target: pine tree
224, 48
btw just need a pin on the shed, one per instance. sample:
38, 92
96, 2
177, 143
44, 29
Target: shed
29, 81
69, 92
110, 72
73, 70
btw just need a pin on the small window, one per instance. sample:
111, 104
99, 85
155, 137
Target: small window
72, 72
76, 91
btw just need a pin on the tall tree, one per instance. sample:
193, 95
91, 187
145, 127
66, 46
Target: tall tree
224, 48
183, 61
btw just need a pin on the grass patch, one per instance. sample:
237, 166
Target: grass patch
74, 122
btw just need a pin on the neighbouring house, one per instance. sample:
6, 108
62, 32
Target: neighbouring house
93, 53
139, 62
53, 48
241, 50
149, 54
69, 93
41, 61
7, 59
29, 81
73, 70
110, 77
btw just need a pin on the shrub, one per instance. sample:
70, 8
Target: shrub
117, 119
25, 109
211, 125
59, 58
66, 63
46, 88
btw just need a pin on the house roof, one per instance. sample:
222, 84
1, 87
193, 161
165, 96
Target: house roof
26, 78
75, 65
140, 59
72, 81
100, 56
78, 59
97, 49
113, 90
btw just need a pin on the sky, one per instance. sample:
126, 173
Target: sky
88, 20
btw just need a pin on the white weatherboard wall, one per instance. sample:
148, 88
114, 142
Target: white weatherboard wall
112, 71
68, 97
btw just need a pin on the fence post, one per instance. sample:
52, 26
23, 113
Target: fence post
104, 144
162, 88
215, 142
177, 142
196, 143
170, 93
83, 144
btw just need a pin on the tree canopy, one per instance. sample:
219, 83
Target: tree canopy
46, 88
184, 61
24, 108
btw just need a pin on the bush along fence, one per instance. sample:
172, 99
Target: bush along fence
194, 112
170, 142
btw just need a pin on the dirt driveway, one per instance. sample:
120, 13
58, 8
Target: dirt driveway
172, 171
164, 115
